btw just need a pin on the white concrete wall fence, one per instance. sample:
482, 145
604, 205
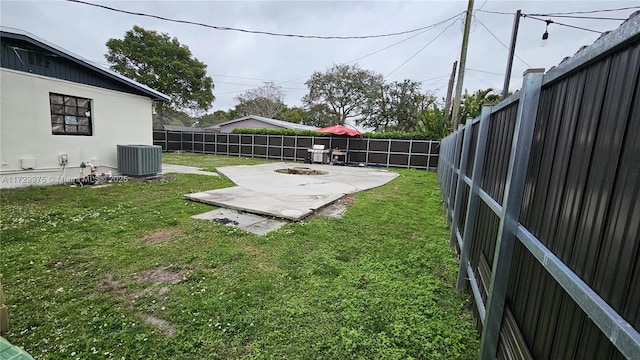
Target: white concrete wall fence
25, 128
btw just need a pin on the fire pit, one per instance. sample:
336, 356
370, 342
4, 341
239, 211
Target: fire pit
299, 170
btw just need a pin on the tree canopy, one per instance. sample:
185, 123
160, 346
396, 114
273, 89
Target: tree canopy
162, 63
397, 106
266, 101
472, 103
344, 89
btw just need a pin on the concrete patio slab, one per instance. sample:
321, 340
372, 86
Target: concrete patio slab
249, 222
262, 190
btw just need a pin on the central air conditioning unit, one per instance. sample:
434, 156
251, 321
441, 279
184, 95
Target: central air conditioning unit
139, 160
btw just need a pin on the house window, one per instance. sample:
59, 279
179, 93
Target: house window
70, 115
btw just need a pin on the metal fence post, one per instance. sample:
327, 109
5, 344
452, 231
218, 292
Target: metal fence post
429, 156
456, 154
457, 206
166, 140
388, 152
366, 160
472, 202
511, 203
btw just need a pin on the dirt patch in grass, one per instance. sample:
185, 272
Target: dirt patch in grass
115, 288
164, 326
119, 289
337, 208
161, 275
160, 236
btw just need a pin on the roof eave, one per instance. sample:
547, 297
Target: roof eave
153, 94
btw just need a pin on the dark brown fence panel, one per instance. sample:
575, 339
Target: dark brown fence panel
260, 151
378, 159
484, 236
498, 148
564, 248
419, 161
463, 214
275, 140
399, 146
434, 154
472, 148
399, 159
274, 153
551, 320
419, 154
340, 143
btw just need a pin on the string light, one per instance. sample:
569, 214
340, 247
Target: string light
545, 36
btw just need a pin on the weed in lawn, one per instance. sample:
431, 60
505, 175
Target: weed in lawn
123, 271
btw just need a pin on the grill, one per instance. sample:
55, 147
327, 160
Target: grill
319, 154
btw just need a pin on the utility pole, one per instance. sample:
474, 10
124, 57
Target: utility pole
512, 50
447, 103
463, 62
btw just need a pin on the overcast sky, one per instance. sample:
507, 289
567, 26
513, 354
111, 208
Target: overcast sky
239, 61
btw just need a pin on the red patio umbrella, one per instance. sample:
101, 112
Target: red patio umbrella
339, 130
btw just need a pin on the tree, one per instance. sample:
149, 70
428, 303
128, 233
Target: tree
472, 104
397, 106
162, 63
219, 116
432, 120
264, 101
295, 115
344, 89
172, 117
319, 115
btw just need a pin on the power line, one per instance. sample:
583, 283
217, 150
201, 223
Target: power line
435, 78
419, 51
252, 85
494, 12
483, 4
561, 24
492, 86
579, 17
486, 72
409, 38
500, 41
359, 58
226, 28
387, 47
559, 14
245, 78
587, 12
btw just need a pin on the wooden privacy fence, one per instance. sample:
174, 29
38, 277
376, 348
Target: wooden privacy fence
542, 194
404, 153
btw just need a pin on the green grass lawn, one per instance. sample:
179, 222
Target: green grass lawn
123, 272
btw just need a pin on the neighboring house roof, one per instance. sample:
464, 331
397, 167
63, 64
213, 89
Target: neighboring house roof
18, 34
181, 128
279, 123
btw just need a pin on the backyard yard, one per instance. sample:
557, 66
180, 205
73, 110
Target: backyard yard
124, 272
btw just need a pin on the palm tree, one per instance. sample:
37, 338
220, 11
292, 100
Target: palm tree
472, 104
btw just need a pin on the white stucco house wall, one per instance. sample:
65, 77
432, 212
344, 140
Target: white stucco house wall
56, 106
256, 122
